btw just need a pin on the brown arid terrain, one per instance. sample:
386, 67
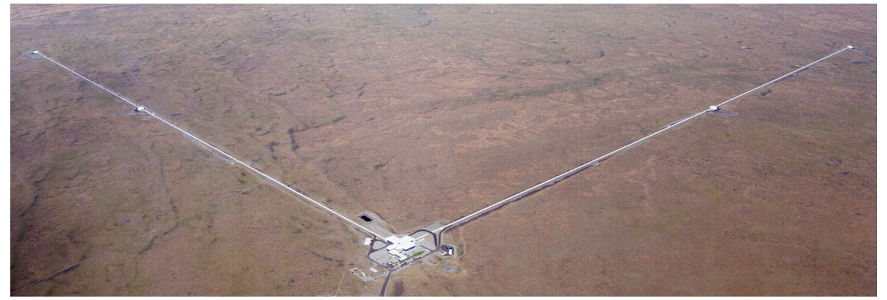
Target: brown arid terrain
428, 113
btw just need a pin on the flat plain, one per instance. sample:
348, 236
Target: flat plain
424, 113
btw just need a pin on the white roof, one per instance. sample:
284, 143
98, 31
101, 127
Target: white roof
400, 243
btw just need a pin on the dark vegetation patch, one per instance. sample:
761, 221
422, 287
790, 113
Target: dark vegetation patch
398, 289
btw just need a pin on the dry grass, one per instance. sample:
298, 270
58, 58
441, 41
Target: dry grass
426, 113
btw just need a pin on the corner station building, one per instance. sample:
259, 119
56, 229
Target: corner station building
398, 245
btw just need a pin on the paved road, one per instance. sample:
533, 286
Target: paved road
385, 285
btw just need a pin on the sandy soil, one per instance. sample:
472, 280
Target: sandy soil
427, 113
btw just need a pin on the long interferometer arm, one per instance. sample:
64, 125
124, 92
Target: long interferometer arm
261, 174
598, 160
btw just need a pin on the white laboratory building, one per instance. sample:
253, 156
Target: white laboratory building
398, 245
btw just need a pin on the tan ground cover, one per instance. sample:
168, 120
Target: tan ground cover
427, 113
